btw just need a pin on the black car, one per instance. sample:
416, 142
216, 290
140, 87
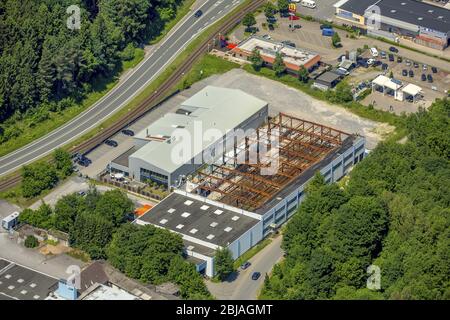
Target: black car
288, 43
245, 265
399, 59
423, 77
416, 65
83, 162
128, 132
393, 49
391, 57
111, 143
404, 72
256, 275
376, 63
430, 78
384, 66
297, 26
434, 69
411, 73
198, 14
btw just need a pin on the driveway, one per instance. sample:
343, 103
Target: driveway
240, 286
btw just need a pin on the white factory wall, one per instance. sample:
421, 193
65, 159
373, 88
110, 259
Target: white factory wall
339, 167
246, 241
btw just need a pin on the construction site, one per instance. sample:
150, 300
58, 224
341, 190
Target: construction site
267, 161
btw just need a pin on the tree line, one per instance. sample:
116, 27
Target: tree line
46, 67
97, 224
393, 213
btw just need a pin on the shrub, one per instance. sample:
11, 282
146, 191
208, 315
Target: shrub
31, 242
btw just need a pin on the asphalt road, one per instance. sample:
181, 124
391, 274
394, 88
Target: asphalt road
241, 286
151, 67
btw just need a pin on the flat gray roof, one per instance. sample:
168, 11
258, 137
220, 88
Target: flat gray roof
221, 109
20, 283
198, 248
198, 219
329, 77
123, 158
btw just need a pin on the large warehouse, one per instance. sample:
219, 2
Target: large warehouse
235, 202
424, 23
156, 154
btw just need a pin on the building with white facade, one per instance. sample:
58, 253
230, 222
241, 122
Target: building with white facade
208, 120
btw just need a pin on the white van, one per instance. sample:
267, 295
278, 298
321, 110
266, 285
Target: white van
374, 52
308, 3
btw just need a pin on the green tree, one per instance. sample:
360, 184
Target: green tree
249, 20
256, 60
66, 210
278, 65
283, 5
37, 178
31, 242
223, 263
303, 74
114, 205
336, 40
269, 10
63, 162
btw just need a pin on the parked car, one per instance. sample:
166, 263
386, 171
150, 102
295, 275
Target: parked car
391, 57
198, 14
384, 66
424, 67
430, 78
297, 26
411, 73
404, 72
81, 193
370, 61
256, 275
408, 63
374, 52
128, 132
416, 65
326, 26
393, 49
83, 162
363, 63
267, 37
271, 27
383, 55
245, 265
376, 63
111, 143
288, 43
399, 59
434, 69
423, 77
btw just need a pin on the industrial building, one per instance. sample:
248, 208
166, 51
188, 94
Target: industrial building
293, 58
20, 283
254, 188
421, 22
156, 154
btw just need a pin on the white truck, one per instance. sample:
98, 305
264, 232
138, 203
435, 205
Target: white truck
308, 3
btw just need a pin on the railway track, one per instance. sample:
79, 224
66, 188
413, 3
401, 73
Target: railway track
151, 101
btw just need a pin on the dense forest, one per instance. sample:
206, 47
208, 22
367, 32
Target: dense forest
97, 224
47, 67
393, 212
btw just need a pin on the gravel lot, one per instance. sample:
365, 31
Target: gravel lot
285, 99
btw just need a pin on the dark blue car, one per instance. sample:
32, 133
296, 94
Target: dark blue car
256, 275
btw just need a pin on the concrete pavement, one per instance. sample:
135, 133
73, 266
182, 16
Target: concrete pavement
148, 70
240, 285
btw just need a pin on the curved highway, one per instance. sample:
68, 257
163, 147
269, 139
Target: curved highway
165, 52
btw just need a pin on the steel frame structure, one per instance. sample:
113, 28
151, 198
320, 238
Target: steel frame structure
292, 144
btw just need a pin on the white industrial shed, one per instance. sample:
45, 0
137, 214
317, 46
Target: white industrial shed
164, 155
412, 90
